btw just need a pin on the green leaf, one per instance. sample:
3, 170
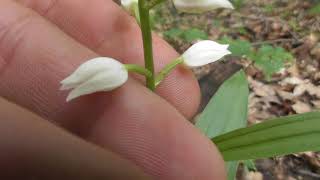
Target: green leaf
271, 59
188, 35
238, 3
268, 58
249, 164
227, 111
238, 47
315, 10
232, 168
173, 33
269, 8
286, 135
194, 34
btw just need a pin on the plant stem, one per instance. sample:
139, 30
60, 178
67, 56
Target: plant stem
147, 42
167, 69
138, 69
136, 13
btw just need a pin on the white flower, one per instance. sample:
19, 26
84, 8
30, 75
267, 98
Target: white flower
95, 75
130, 5
200, 6
204, 52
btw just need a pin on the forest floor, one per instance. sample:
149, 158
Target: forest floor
293, 25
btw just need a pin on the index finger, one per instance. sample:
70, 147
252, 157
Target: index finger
131, 121
31, 148
106, 29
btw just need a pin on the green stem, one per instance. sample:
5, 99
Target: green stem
138, 69
167, 69
147, 42
136, 13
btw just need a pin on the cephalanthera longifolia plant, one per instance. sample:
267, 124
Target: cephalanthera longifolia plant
227, 111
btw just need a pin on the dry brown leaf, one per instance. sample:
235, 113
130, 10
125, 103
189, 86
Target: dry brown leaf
316, 51
301, 107
307, 87
284, 95
291, 81
254, 176
316, 104
261, 89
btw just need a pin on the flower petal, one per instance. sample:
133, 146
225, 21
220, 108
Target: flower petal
204, 52
103, 81
89, 69
98, 74
205, 58
200, 6
129, 5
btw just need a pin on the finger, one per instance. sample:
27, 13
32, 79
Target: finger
131, 121
32, 148
102, 26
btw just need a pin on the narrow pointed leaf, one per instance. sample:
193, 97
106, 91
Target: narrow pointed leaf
280, 136
232, 168
227, 111
249, 164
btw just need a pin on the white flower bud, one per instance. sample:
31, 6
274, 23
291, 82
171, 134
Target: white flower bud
200, 6
130, 5
95, 75
204, 52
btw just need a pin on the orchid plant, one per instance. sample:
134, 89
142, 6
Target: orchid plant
106, 74
275, 137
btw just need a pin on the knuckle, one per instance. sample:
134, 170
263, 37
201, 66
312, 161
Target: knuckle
43, 7
12, 36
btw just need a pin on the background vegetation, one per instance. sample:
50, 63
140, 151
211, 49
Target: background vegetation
277, 44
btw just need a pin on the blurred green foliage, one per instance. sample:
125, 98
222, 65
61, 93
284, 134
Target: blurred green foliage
194, 34
268, 58
188, 35
271, 59
269, 8
249, 164
238, 48
238, 3
315, 10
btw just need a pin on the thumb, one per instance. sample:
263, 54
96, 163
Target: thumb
37, 149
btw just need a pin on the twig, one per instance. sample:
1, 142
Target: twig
282, 40
308, 173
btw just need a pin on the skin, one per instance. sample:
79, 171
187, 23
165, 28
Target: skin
123, 134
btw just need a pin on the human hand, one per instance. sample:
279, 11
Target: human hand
38, 50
